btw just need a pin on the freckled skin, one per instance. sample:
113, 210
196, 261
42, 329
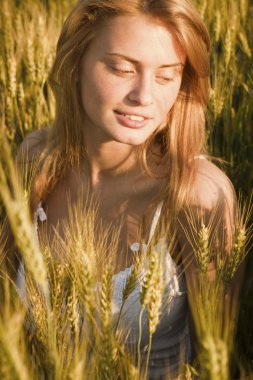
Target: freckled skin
140, 86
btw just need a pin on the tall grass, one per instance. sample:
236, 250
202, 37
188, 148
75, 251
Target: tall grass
230, 120
231, 108
61, 334
29, 32
63, 314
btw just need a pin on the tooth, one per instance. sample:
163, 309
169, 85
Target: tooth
135, 118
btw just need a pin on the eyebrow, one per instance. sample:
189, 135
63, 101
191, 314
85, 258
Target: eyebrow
134, 61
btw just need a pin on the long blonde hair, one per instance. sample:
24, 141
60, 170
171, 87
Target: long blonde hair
181, 139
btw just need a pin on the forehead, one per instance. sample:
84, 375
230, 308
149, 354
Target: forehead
140, 37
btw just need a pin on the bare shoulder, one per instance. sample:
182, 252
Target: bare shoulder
32, 145
212, 202
211, 187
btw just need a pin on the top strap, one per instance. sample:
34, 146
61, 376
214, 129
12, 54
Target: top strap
41, 215
135, 247
155, 220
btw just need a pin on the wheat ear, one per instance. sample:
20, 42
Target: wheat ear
20, 221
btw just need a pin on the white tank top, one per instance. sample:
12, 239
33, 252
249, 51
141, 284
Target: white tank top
170, 342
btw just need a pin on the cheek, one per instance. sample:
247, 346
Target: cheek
168, 98
98, 92
90, 90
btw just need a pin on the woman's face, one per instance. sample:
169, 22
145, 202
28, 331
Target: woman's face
130, 78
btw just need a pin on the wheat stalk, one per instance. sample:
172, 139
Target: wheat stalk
108, 350
2, 72
151, 291
9, 117
7, 29
228, 264
73, 314
145, 295
203, 251
31, 67
245, 45
131, 282
9, 337
233, 260
20, 221
6, 371
244, 6
11, 76
203, 9
37, 313
12, 340
217, 25
215, 357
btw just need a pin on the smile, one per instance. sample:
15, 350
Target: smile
134, 117
132, 121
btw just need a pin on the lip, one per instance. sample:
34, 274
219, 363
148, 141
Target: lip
133, 124
132, 114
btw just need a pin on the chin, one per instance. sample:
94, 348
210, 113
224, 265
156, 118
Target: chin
131, 141
131, 138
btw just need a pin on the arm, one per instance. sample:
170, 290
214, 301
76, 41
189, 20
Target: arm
212, 205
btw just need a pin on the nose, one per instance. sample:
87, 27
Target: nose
141, 93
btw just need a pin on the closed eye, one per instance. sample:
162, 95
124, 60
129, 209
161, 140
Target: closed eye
121, 71
164, 80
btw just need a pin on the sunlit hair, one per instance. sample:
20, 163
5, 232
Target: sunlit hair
182, 137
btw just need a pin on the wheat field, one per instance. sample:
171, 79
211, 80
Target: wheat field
60, 328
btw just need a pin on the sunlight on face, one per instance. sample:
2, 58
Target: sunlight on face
130, 78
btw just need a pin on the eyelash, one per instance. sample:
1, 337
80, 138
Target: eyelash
165, 80
121, 71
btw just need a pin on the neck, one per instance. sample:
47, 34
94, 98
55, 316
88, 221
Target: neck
109, 160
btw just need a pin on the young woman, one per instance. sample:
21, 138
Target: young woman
131, 83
